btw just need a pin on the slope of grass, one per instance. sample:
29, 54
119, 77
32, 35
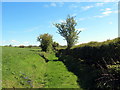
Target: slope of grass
22, 68
57, 75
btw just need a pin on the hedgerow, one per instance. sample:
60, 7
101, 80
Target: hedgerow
98, 56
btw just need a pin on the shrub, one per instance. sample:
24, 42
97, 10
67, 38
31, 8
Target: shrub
98, 55
45, 42
29, 46
21, 46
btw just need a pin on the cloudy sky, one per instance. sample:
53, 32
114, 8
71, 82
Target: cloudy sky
24, 21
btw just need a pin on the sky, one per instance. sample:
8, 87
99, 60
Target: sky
23, 22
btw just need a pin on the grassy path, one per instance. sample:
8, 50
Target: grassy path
57, 76
24, 68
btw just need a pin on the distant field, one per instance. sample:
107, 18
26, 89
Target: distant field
24, 67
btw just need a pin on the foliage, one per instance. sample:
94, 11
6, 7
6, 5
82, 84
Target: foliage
46, 42
68, 31
55, 45
94, 53
109, 78
21, 46
30, 46
97, 55
10, 45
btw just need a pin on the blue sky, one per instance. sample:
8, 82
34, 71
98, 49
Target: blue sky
22, 22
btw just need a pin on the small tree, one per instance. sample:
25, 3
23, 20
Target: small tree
21, 46
55, 44
68, 31
10, 45
30, 46
45, 42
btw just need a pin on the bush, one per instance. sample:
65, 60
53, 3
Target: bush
21, 46
98, 55
29, 46
94, 53
55, 44
45, 42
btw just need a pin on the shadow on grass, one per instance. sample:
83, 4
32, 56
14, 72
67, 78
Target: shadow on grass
85, 73
47, 60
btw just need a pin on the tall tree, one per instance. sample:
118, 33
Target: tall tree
68, 31
45, 42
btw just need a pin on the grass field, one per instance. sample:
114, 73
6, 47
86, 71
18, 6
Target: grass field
24, 67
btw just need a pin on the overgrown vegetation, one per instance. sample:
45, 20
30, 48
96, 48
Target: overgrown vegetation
97, 58
45, 42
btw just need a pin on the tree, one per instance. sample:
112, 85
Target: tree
68, 31
55, 44
21, 46
45, 42
10, 45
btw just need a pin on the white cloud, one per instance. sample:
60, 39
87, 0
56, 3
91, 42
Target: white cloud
26, 42
58, 21
61, 21
73, 6
106, 9
111, 0
2, 42
99, 4
53, 4
87, 7
14, 41
106, 12
17, 43
116, 11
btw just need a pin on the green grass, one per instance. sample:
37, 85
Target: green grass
19, 63
59, 77
23, 67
